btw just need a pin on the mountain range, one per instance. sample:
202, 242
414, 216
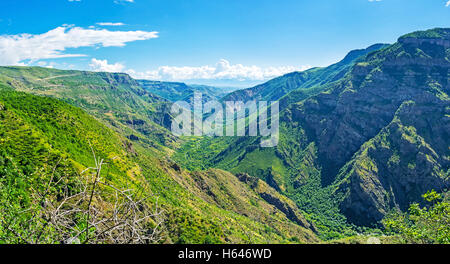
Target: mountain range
358, 139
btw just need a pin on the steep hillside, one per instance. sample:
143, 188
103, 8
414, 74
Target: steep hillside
373, 140
43, 140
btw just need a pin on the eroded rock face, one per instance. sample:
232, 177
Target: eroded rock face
417, 42
274, 198
400, 164
119, 78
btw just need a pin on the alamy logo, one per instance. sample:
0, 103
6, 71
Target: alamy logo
237, 119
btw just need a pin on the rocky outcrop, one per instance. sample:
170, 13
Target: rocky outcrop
398, 165
272, 197
115, 79
417, 42
439, 37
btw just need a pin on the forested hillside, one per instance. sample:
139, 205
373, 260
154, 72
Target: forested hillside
46, 142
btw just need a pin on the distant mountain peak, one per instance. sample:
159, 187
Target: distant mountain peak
276, 88
437, 36
354, 54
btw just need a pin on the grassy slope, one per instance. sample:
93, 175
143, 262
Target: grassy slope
36, 132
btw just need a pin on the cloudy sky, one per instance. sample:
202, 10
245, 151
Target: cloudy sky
217, 42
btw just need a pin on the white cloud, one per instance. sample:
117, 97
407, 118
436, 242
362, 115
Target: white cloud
447, 4
223, 70
110, 24
103, 66
15, 49
46, 64
115, 1
123, 1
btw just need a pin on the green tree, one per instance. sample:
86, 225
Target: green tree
422, 225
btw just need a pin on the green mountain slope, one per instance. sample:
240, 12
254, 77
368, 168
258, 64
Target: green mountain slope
115, 98
40, 134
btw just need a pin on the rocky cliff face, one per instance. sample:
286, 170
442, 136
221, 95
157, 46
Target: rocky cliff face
420, 42
438, 36
405, 160
383, 131
272, 197
117, 78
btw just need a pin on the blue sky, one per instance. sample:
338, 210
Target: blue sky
219, 42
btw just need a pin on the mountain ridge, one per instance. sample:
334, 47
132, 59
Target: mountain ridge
360, 138
275, 89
